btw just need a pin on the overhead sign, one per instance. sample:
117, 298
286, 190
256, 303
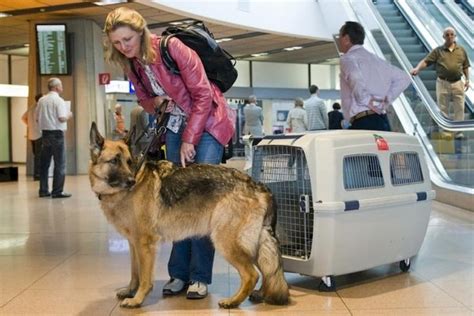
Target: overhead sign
117, 86
104, 78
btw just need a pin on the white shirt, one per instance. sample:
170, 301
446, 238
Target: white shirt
363, 76
50, 108
317, 113
253, 120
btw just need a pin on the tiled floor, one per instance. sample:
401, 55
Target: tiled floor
61, 257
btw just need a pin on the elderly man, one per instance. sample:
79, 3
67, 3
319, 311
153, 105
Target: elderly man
52, 117
451, 63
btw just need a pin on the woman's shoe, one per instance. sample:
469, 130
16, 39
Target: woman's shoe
174, 287
197, 290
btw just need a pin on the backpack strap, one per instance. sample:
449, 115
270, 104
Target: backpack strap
165, 55
139, 78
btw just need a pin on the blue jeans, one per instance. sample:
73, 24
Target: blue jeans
192, 259
52, 146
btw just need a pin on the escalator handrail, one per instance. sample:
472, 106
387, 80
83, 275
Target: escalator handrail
467, 6
460, 24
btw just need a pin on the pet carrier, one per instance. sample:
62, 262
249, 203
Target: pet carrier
347, 200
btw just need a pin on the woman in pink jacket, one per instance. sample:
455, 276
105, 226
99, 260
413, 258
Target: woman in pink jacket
197, 131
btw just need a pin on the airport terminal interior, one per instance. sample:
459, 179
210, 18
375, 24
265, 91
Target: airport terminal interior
60, 256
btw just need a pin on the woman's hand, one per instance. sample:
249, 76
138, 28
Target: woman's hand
187, 153
158, 100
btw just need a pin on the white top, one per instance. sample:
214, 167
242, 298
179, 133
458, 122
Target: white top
297, 120
253, 120
50, 108
365, 76
29, 117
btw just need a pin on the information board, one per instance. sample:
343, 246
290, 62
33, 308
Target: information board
52, 49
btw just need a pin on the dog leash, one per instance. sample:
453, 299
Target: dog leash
160, 129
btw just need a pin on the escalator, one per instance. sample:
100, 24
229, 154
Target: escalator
413, 46
451, 160
466, 7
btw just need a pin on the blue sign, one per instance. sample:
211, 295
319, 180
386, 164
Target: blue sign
131, 89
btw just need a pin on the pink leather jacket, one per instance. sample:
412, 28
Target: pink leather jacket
201, 100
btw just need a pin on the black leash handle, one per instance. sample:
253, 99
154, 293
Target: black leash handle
160, 130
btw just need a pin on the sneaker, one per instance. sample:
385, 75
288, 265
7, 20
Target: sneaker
173, 287
197, 290
61, 195
459, 135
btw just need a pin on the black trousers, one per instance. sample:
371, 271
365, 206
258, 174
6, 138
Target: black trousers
53, 146
373, 122
36, 149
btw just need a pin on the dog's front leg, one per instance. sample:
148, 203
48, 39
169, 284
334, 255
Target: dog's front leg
134, 281
145, 252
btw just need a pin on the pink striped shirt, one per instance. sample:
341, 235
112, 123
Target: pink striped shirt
365, 76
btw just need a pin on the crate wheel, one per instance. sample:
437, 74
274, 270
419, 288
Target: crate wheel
405, 265
327, 284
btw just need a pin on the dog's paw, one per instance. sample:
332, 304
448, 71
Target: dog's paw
256, 297
125, 293
130, 303
228, 303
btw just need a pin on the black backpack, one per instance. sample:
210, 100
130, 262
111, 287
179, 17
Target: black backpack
218, 63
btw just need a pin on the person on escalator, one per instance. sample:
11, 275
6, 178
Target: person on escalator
451, 62
369, 84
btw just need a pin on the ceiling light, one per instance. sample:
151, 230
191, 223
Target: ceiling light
225, 39
4, 15
289, 49
259, 54
108, 2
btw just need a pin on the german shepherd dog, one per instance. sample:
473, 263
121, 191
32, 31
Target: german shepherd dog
165, 203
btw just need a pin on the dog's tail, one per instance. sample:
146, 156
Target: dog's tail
274, 288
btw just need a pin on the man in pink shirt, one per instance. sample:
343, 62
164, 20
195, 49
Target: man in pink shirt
369, 84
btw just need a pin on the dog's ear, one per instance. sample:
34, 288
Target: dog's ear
96, 142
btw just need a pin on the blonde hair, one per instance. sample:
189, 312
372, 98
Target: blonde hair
299, 102
120, 17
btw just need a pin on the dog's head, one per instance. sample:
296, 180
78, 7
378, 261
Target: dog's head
110, 169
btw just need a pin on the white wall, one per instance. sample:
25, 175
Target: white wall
325, 76
279, 75
243, 69
302, 18
19, 139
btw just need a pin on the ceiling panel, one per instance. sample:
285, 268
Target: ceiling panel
14, 29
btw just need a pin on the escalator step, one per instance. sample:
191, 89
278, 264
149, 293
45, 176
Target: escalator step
408, 40
415, 57
414, 49
394, 19
395, 27
402, 33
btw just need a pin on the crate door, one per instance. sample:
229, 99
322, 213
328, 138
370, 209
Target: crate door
284, 170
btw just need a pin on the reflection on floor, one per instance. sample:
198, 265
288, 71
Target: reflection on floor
61, 257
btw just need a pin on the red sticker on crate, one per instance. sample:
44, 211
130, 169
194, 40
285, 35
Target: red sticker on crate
381, 142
